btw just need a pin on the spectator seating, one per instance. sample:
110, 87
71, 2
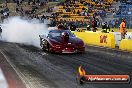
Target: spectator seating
81, 12
77, 10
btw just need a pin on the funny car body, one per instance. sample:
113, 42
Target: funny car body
61, 41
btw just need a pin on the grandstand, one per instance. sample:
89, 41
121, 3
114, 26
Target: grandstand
80, 12
83, 10
125, 11
108, 11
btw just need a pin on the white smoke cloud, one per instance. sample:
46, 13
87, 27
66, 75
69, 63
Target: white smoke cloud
22, 31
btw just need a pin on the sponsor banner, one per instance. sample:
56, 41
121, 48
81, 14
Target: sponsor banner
97, 38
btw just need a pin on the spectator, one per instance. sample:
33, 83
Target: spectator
123, 29
17, 2
5, 2
105, 28
61, 27
88, 26
38, 1
94, 24
29, 1
17, 9
78, 12
72, 27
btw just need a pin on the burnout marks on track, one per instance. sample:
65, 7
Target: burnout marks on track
29, 48
43, 53
33, 49
34, 78
30, 64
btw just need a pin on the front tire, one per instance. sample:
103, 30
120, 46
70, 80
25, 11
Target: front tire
49, 48
44, 45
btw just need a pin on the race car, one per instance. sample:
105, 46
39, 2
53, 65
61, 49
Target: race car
61, 41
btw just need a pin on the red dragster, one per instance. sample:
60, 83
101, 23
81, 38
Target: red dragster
61, 41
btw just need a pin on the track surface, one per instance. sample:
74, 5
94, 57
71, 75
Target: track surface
40, 69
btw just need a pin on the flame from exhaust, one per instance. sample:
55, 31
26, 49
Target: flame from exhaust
81, 71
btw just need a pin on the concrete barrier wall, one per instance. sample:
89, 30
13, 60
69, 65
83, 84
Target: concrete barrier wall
126, 44
99, 29
118, 37
97, 38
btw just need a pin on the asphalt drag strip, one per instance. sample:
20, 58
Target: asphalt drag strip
41, 69
10, 78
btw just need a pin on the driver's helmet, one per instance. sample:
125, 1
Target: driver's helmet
65, 34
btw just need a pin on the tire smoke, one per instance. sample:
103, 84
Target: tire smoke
18, 30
